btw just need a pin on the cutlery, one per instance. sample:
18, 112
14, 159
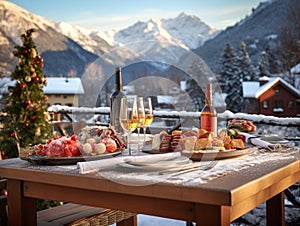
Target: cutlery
189, 169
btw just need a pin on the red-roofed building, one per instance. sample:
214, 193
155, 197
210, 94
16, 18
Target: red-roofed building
271, 96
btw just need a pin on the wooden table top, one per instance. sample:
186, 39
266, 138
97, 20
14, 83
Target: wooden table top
257, 183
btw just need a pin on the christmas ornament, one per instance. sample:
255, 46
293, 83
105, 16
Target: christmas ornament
26, 124
33, 53
27, 102
33, 74
38, 132
22, 85
27, 78
25, 51
33, 117
46, 98
36, 79
12, 134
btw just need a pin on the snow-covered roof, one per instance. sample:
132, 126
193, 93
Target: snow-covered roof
5, 83
63, 86
54, 85
296, 69
254, 90
250, 89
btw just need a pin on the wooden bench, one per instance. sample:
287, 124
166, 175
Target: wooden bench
74, 214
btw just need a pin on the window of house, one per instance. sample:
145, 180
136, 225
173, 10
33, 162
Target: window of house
277, 89
290, 104
265, 104
65, 96
278, 104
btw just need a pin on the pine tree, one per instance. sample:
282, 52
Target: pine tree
231, 79
245, 64
28, 117
264, 65
229, 68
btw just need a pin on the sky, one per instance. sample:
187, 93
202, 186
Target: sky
117, 14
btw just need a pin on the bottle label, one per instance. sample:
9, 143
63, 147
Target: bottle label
209, 123
115, 113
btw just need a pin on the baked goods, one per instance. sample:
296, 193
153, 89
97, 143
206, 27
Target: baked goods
237, 143
189, 143
203, 143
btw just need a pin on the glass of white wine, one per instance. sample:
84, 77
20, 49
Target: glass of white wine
148, 114
129, 117
141, 118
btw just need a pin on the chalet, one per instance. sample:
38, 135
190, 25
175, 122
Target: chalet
63, 91
60, 91
271, 96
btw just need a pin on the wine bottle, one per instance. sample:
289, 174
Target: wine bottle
115, 101
208, 113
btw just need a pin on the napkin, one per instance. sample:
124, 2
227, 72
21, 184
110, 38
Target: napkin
92, 166
261, 143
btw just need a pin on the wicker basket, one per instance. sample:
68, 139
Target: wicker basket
107, 217
76, 214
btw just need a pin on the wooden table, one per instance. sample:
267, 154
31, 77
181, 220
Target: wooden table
218, 202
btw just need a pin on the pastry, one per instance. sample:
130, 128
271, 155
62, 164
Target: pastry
189, 143
203, 143
237, 143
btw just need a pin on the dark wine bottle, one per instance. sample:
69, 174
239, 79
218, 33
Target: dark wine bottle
115, 101
208, 113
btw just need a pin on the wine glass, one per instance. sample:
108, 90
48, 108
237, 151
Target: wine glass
148, 114
129, 117
141, 117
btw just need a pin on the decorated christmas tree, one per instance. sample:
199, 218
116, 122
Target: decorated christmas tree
27, 113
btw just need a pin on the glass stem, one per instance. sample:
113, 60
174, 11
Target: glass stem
144, 130
128, 141
138, 130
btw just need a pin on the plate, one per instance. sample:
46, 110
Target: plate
274, 139
43, 160
179, 162
206, 155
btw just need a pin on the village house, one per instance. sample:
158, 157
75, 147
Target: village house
271, 96
60, 90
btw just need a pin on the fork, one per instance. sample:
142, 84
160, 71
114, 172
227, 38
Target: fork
203, 168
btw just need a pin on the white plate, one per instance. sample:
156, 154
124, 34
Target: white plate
274, 139
179, 162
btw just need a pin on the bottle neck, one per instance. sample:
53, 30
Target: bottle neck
118, 80
208, 94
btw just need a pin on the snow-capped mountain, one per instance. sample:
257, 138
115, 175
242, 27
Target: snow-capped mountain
184, 30
63, 54
191, 30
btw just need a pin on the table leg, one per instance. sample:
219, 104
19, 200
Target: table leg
132, 221
21, 210
211, 215
275, 210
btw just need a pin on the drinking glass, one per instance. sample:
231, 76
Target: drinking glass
141, 117
129, 117
148, 114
